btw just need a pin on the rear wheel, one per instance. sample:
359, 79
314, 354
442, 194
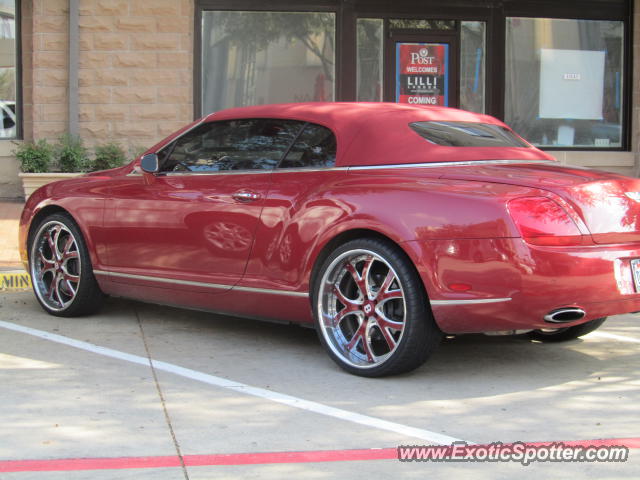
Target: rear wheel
60, 268
371, 311
568, 333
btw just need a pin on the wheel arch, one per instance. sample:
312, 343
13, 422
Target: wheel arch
353, 234
43, 213
51, 209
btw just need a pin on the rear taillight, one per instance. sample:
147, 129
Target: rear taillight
541, 221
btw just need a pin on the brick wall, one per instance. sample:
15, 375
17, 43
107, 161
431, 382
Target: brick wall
136, 64
135, 77
49, 25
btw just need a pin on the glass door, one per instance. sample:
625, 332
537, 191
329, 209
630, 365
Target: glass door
423, 73
422, 69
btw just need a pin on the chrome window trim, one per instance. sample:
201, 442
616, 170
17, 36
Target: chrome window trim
469, 302
449, 164
214, 172
356, 168
311, 169
135, 172
256, 171
199, 284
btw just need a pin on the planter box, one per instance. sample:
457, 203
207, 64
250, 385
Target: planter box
33, 181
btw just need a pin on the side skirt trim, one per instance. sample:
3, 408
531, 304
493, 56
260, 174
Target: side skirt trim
469, 302
200, 284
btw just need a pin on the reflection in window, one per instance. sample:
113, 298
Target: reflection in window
564, 81
315, 147
467, 134
254, 58
472, 66
421, 24
8, 68
369, 59
231, 145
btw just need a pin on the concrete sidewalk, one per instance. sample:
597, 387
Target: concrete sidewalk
129, 394
9, 219
151, 392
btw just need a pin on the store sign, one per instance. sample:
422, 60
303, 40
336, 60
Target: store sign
422, 73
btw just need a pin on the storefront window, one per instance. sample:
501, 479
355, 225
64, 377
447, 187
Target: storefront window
8, 127
472, 66
564, 81
370, 48
254, 58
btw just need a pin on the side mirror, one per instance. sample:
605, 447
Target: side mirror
149, 163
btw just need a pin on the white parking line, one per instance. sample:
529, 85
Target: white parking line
612, 336
289, 400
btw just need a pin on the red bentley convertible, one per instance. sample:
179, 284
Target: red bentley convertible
387, 225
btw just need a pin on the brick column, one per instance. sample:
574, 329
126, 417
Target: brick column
48, 69
135, 76
136, 64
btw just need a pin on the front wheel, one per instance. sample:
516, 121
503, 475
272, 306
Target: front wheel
568, 333
371, 311
60, 268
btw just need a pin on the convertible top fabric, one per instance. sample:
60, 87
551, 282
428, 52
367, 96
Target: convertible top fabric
379, 133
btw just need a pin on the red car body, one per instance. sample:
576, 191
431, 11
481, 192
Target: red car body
461, 215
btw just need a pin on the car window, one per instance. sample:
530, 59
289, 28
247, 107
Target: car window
252, 144
315, 147
467, 134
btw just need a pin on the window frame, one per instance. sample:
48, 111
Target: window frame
597, 10
493, 12
172, 145
303, 124
278, 167
19, 110
286, 6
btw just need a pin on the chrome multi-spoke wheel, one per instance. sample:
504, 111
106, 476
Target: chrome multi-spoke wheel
362, 308
371, 311
60, 268
56, 266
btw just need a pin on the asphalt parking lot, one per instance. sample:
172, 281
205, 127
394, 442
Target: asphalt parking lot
144, 391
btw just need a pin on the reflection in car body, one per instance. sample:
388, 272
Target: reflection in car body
386, 226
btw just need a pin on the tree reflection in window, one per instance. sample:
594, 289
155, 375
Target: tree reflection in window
315, 147
254, 58
253, 144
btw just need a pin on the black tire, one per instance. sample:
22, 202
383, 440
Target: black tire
568, 333
388, 332
60, 268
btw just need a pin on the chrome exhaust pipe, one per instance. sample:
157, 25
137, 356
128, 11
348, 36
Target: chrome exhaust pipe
565, 315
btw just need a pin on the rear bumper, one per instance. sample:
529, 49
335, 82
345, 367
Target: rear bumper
513, 285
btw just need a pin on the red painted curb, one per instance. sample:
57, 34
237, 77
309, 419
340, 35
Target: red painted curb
119, 463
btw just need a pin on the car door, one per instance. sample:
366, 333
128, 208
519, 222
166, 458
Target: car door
192, 224
301, 204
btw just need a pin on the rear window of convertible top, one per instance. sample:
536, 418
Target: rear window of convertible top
467, 134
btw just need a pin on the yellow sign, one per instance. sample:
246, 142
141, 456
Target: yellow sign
14, 281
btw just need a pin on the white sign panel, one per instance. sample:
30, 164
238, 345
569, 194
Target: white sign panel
571, 84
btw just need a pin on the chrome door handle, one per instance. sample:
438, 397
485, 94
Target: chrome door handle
246, 196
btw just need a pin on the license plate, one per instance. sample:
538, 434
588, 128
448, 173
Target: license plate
635, 270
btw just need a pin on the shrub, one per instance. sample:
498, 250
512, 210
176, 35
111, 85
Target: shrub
136, 150
108, 155
35, 157
71, 154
